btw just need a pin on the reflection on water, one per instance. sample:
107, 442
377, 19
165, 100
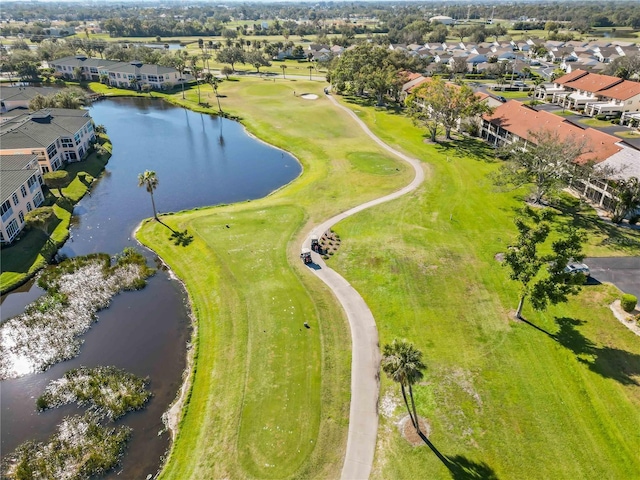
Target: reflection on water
200, 160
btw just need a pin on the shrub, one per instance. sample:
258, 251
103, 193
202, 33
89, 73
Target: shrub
628, 302
634, 219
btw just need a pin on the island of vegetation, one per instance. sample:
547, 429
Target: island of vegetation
81, 448
108, 391
49, 329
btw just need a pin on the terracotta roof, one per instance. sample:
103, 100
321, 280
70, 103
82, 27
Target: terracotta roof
521, 120
570, 77
622, 91
594, 82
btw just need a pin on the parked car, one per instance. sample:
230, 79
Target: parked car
575, 267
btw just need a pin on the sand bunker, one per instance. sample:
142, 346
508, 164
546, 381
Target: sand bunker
309, 96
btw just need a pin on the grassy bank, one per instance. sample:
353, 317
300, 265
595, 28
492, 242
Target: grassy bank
503, 399
32, 252
270, 398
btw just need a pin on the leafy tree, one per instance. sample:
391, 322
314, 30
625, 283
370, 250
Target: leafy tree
58, 179
627, 198
459, 65
526, 262
257, 59
77, 73
436, 103
402, 362
41, 218
548, 162
626, 67
226, 71
231, 55
149, 180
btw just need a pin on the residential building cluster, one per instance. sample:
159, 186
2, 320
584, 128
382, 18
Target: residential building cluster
31, 144
514, 122
594, 94
593, 56
118, 74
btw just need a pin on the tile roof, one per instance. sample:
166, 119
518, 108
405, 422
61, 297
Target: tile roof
521, 120
593, 82
622, 91
570, 77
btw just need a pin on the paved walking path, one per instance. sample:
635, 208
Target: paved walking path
365, 362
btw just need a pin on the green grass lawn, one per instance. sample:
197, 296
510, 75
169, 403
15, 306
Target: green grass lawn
502, 398
510, 95
594, 122
628, 134
270, 398
25, 257
554, 400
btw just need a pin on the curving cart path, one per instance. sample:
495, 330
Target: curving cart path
365, 362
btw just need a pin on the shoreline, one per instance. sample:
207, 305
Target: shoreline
172, 416
66, 224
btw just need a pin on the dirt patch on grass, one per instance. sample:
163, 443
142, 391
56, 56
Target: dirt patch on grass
625, 318
409, 433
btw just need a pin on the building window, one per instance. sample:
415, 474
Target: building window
23, 191
12, 229
14, 197
51, 151
6, 207
21, 217
67, 142
1, 237
29, 207
45, 169
38, 199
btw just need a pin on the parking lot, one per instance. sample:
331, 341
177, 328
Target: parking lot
623, 272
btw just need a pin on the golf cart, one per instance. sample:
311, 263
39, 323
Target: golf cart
315, 244
305, 255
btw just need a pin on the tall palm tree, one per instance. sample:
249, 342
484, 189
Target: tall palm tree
212, 80
149, 179
402, 362
283, 67
195, 70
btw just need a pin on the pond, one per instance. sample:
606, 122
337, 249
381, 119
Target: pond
200, 160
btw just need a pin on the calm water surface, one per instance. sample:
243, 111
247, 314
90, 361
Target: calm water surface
199, 161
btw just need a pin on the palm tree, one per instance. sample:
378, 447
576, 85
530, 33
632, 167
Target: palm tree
195, 70
283, 67
149, 179
402, 362
212, 80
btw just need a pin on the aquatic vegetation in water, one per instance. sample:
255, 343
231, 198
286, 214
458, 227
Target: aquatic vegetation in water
49, 329
109, 391
80, 448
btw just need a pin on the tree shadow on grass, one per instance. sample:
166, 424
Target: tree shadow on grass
179, 238
608, 362
372, 101
460, 467
468, 147
582, 216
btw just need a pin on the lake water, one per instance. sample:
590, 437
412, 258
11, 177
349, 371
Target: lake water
200, 160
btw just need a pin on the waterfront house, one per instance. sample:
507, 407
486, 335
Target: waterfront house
20, 192
55, 135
